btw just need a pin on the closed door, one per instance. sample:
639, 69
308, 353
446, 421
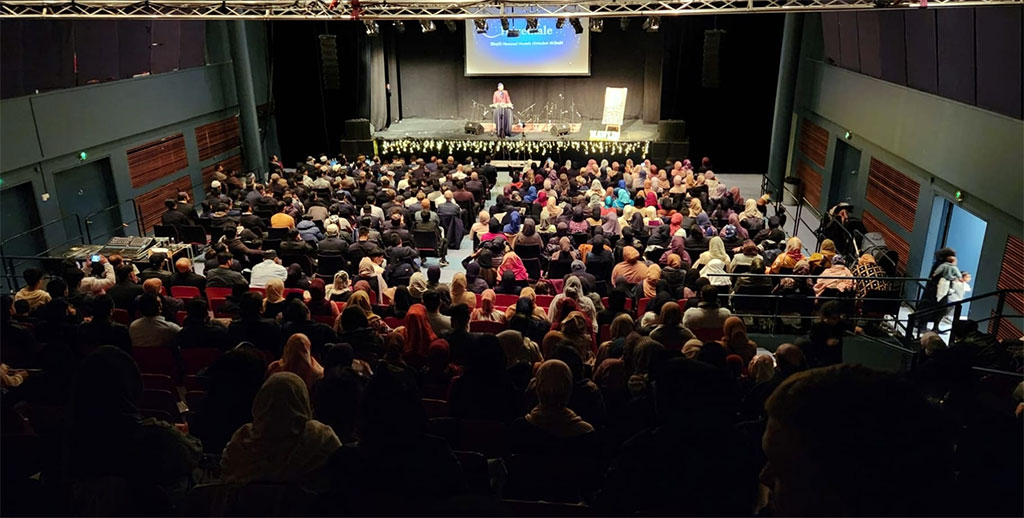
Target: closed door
845, 167
18, 209
87, 190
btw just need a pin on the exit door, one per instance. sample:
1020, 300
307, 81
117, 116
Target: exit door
845, 167
86, 190
954, 227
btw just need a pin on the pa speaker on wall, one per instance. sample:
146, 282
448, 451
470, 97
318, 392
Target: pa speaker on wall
474, 128
329, 61
671, 131
712, 47
357, 129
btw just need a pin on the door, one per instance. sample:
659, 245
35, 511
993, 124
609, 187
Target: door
19, 214
845, 166
86, 190
954, 227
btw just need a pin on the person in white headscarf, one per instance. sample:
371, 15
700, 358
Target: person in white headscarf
716, 266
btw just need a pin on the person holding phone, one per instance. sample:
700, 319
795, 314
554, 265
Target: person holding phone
99, 275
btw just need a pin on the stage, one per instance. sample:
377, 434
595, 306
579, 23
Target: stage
448, 136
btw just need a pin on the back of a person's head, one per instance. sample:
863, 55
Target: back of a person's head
432, 300
57, 287
709, 294
197, 309
671, 314
391, 404
849, 440
460, 316
250, 304
156, 261
21, 307
102, 306
295, 311
688, 391
224, 258
33, 276
149, 305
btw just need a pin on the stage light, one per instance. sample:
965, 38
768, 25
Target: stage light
596, 25
399, 26
427, 26
576, 25
504, 24
559, 23
372, 29
451, 25
623, 23
481, 26
531, 25
652, 23
512, 33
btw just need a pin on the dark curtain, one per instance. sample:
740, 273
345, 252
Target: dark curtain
732, 123
433, 83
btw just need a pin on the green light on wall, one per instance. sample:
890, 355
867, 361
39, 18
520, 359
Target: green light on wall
848, 135
959, 195
83, 155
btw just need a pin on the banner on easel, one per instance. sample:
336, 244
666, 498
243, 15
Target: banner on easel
614, 106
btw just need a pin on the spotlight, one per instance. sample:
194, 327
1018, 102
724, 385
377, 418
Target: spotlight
559, 23
481, 26
652, 23
372, 29
451, 25
576, 25
623, 23
596, 25
399, 26
512, 33
504, 24
531, 25
427, 26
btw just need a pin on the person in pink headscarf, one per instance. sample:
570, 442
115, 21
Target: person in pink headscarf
512, 262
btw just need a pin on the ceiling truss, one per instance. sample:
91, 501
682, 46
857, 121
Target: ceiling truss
425, 9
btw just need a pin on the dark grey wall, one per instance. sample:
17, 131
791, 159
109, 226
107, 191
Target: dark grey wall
42, 135
943, 144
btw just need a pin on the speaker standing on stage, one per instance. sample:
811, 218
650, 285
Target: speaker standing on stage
502, 104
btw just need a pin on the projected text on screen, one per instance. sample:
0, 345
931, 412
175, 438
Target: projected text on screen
545, 51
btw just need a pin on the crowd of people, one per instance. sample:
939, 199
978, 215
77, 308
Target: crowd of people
595, 339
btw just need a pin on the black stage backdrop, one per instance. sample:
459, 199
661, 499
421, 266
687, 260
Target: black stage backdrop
431, 72
731, 124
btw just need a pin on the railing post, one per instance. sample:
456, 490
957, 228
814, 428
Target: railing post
956, 312
999, 313
88, 231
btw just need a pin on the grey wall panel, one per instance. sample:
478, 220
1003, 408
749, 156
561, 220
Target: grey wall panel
998, 51
869, 44
142, 105
955, 31
18, 143
849, 49
922, 70
893, 46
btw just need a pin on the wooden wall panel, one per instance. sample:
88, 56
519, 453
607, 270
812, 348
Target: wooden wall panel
218, 137
233, 163
1007, 330
893, 240
1011, 273
813, 142
893, 192
151, 204
154, 160
810, 180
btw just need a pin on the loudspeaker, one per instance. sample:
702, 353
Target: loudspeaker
354, 148
474, 128
560, 129
709, 70
357, 129
671, 131
329, 61
662, 151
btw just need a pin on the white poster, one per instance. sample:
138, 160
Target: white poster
614, 106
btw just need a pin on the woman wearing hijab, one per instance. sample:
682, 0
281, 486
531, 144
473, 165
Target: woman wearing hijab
529, 320
716, 266
512, 228
827, 251
487, 312
528, 236
675, 223
417, 334
838, 269
648, 288
867, 267
494, 231
578, 330
670, 331
341, 288
273, 298
460, 294
283, 443
518, 349
318, 304
371, 273
296, 278
475, 282
417, 286
298, 359
595, 216
705, 226
551, 210
610, 225
481, 226
566, 252
401, 301
578, 224
542, 198
106, 436
695, 209
719, 192
631, 267
734, 198
621, 327
531, 195
716, 250
735, 341
511, 262
746, 257
788, 259
573, 290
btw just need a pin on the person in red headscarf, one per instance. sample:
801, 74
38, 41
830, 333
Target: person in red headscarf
513, 263
418, 335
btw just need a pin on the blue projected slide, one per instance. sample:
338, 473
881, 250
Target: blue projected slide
548, 51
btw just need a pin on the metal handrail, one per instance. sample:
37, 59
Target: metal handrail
957, 307
124, 224
44, 225
793, 276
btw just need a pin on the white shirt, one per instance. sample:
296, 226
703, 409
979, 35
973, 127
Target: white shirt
265, 271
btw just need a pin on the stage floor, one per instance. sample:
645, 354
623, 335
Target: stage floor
454, 129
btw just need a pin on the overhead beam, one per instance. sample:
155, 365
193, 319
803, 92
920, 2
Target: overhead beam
425, 9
